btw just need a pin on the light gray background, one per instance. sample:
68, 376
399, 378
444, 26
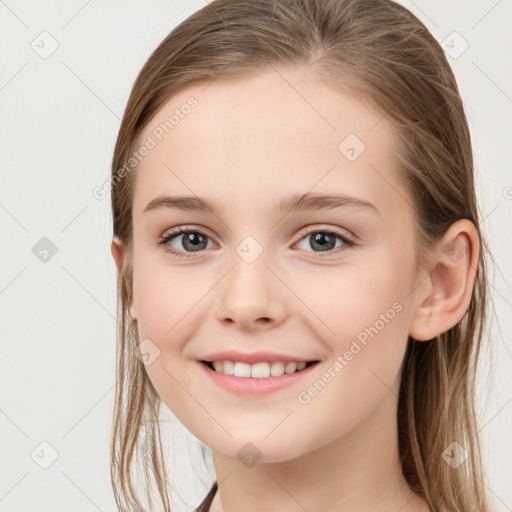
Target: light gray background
60, 116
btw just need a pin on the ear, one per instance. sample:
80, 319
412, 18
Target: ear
117, 252
445, 294
116, 248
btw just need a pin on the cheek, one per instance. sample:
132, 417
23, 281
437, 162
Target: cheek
165, 300
364, 325
362, 317
362, 304
167, 310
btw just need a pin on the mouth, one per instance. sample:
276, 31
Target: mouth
258, 370
261, 378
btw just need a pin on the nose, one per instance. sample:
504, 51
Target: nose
251, 296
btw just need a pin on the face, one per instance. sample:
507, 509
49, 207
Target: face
326, 282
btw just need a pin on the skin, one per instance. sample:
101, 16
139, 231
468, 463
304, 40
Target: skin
248, 143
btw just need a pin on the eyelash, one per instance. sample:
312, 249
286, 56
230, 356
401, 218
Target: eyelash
165, 239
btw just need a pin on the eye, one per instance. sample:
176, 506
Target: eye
193, 241
321, 240
324, 240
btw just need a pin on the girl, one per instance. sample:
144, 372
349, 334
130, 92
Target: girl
301, 267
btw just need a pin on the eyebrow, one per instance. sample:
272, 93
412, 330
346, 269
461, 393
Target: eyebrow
297, 202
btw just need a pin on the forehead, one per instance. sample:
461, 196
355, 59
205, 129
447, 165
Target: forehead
253, 137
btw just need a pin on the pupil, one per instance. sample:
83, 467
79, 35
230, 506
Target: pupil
324, 240
194, 238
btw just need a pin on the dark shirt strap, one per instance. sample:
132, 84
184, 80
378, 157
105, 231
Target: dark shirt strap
206, 503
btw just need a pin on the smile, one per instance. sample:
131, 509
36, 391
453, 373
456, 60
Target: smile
242, 381
257, 370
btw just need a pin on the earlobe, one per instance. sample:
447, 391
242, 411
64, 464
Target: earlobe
116, 250
447, 291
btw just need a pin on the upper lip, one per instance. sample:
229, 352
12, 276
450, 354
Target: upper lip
254, 357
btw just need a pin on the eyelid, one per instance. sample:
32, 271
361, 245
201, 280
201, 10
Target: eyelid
348, 239
343, 233
301, 234
184, 229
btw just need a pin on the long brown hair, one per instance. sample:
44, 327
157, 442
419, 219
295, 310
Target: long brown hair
381, 51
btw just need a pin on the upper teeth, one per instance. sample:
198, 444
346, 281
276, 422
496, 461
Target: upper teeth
257, 370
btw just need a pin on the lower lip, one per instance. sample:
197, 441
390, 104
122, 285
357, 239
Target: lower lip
253, 386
